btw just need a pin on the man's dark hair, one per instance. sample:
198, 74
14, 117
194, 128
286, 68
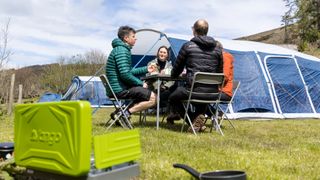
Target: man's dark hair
125, 31
201, 27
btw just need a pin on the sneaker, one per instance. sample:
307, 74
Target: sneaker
120, 119
113, 114
117, 113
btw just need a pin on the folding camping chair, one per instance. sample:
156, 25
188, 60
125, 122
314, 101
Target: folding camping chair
209, 79
235, 87
119, 104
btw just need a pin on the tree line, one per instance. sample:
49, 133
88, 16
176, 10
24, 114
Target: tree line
55, 78
42, 78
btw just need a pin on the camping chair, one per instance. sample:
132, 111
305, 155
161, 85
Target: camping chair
119, 105
204, 78
235, 87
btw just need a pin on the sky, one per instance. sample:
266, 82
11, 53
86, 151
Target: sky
41, 31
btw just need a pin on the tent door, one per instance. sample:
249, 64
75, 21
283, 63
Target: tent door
288, 85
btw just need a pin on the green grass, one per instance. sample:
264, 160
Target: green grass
278, 149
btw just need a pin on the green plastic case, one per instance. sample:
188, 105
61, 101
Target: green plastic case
54, 137
116, 148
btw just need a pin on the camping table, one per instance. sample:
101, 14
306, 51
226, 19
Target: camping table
159, 78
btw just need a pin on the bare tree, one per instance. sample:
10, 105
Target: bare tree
289, 18
28, 77
96, 59
57, 76
5, 54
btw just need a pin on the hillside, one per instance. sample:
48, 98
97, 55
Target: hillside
274, 36
277, 36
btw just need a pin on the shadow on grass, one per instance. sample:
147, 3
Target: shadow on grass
149, 123
163, 125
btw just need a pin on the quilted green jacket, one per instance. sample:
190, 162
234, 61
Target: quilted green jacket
119, 71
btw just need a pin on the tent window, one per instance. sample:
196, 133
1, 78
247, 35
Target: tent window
289, 88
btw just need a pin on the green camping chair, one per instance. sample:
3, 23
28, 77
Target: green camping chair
119, 105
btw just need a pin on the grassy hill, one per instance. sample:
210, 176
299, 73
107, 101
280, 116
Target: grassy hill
273, 36
277, 36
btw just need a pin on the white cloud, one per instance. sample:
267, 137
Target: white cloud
21, 59
229, 18
42, 30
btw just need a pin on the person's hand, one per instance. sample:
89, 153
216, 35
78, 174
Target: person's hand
163, 87
184, 73
152, 68
145, 85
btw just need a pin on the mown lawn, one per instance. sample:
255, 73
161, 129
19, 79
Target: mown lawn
278, 149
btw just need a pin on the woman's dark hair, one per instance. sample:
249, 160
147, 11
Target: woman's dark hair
125, 31
168, 52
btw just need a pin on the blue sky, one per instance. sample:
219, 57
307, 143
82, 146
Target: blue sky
43, 30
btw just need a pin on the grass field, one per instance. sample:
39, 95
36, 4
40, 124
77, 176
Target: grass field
278, 149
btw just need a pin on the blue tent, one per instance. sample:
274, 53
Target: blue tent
49, 96
275, 82
89, 88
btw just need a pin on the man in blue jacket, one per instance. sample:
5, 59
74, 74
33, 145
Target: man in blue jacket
121, 75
